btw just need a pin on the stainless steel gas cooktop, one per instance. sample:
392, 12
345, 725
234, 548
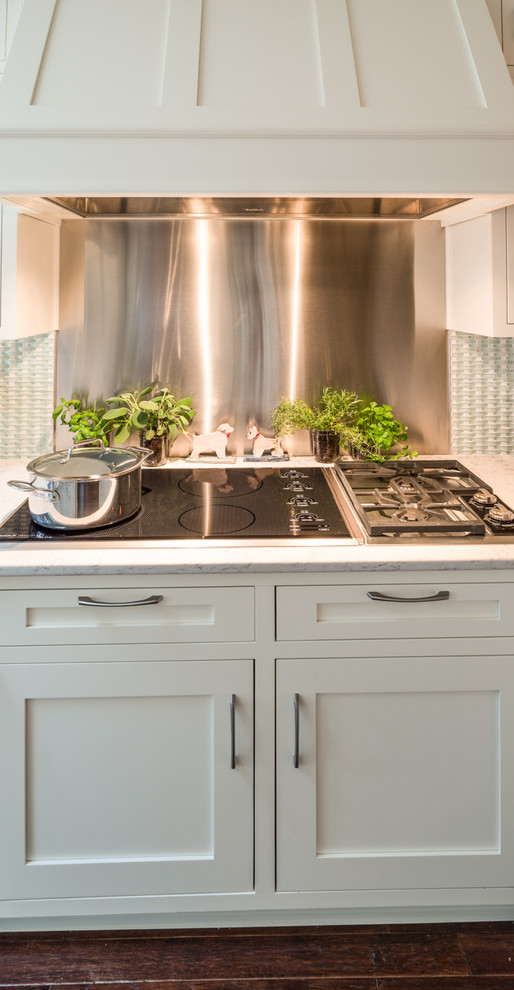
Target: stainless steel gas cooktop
424, 500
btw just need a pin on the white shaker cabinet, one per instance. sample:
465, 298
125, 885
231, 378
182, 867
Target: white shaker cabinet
480, 274
395, 735
256, 748
395, 773
126, 778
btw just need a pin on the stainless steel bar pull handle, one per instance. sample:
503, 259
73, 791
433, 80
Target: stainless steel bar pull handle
296, 754
232, 732
151, 600
440, 596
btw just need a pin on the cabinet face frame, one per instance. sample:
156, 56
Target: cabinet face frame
94, 691
335, 905
308, 808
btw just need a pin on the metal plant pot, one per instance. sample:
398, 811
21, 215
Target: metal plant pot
325, 445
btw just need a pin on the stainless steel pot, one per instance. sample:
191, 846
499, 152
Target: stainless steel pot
85, 487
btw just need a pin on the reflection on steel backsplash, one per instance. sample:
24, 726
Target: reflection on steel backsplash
238, 312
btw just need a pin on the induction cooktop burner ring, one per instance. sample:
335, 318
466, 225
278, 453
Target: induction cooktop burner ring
38, 532
216, 519
215, 483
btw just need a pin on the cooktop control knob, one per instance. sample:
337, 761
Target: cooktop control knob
297, 486
302, 500
484, 498
500, 515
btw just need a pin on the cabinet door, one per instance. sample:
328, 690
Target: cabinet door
404, 776
126, 778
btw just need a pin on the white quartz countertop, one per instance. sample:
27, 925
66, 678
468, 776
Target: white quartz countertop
26, 559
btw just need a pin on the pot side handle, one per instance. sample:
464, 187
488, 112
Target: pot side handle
44, 493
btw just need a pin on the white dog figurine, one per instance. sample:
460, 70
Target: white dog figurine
211, 443
261, 444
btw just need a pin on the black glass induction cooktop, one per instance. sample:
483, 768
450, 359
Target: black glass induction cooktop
212, 503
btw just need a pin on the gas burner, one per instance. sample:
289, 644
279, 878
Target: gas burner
406, 494
428, 502
412, 485
419, 512
424, 500
411, 512
389, 499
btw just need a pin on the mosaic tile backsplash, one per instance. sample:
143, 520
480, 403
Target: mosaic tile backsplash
481, 394
26, 369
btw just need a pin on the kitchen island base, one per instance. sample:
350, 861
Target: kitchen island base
256, 749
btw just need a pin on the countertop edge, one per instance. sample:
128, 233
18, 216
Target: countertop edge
25, 561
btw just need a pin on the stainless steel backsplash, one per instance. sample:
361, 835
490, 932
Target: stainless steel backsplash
237, 312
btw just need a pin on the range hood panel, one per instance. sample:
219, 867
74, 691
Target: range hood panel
206, 97
277, 66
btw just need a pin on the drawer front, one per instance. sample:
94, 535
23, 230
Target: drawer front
129, 615
349, 612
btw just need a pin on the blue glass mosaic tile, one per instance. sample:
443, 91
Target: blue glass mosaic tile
481, 394
27, 368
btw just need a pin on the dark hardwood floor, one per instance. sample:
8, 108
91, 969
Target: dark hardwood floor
375, 957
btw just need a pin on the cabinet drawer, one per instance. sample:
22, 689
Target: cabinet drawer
181, 615
348, 612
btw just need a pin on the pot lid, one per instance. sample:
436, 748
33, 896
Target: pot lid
86, 464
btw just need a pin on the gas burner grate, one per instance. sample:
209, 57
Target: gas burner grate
423, 498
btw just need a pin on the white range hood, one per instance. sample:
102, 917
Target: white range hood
256, 97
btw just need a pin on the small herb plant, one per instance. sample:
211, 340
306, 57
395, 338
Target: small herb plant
382, 434
84, 423
336, 413
152, 415
372, 431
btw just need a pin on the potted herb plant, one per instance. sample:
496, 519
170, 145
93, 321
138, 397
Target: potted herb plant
331, 422
384, 438
83, 422
158, 418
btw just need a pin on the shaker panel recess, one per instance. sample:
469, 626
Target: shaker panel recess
264, 54
185, 615
385, 58
346, 612
119, 59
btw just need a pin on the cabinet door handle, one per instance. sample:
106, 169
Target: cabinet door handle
440, 596
232, 703
296, 754
152, 600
